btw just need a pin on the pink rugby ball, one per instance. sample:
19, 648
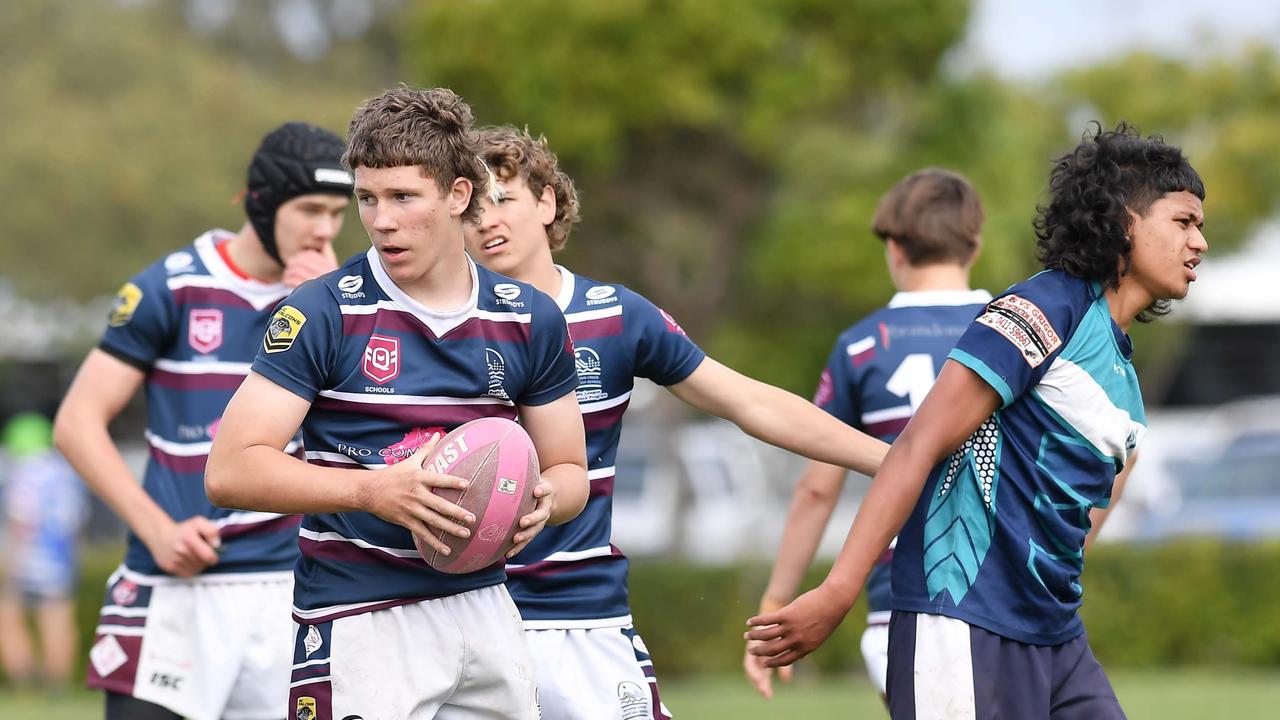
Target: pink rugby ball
497, 456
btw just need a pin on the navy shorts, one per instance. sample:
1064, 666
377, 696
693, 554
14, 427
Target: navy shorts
941, 668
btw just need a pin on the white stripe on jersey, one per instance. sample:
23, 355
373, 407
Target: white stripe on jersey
586, 315
247, 518
259, 300
341, 458
605, 404
600, 473
861, 346
121, 630
122, 611
1071, 392
893, 413
334, 609
365, 544
573, 555
309, 663
187, 367
370, 308
411, 399
514, 317
192, 449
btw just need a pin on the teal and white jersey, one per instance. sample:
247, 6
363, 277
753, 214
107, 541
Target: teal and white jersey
997, 537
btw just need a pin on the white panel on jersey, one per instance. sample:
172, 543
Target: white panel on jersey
588, 408
585, 315
1077, 398
184, 367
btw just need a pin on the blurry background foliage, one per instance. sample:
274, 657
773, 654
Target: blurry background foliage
728, 169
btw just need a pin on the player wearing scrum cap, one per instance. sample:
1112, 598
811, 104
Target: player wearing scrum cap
195, 621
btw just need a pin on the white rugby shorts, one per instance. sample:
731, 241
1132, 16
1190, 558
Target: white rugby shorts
595, 674
210, 647
461, 657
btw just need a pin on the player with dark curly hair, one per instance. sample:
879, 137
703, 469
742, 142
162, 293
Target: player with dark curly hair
994, 480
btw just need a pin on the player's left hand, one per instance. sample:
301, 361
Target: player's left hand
308, 264
796, 630
534, 522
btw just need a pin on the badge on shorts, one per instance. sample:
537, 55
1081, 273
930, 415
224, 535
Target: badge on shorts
283, 329
126, 303
633, 700
306, 709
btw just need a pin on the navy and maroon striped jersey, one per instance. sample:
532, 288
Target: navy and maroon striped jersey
193, 325
383, 373
571, 576
880, 370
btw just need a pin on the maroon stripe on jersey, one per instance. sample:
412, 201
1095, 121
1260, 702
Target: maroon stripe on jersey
384, 320
602, 487
330, 617
110, 619
181, 381
885, 557
285, 522
179, 463
209, 296
547, 568
120, 680
887, 427
340, 551
600, 327
389, 320
418, 415
607, 418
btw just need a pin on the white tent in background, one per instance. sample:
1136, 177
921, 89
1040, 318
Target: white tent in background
1243, 287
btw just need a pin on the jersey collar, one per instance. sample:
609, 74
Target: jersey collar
439, 321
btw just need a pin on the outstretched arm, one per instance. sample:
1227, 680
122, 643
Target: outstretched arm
779, 418
957, 404
812, 503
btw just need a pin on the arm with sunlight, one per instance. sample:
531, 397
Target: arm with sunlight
779, 418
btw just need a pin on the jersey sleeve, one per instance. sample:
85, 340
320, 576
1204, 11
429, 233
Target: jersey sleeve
301, 343
664, 353
552, 373
837, 391
142, 321
1014, 340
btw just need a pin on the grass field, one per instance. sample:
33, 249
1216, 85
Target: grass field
1174, 695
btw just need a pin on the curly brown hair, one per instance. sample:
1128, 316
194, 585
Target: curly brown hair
513, 152
1084, 228
430, 128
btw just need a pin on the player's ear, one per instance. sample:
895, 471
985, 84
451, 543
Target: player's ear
459, 196
547, 205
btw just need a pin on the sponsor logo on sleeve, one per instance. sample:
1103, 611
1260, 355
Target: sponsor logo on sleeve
180, 261
125, 305
381, 359
602, 295
350, 286
507, 293
283, 329
204, 329
1023, 324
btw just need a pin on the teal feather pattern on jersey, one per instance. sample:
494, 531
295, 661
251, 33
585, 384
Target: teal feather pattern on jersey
961, 518
1072, 506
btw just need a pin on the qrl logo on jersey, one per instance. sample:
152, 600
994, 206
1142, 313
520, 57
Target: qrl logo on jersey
204, 330
381, 359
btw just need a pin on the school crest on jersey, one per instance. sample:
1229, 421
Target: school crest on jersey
497, 368
125, 305
590, 386
283, 329
306, 709
672, 325
381, 359
204, 330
